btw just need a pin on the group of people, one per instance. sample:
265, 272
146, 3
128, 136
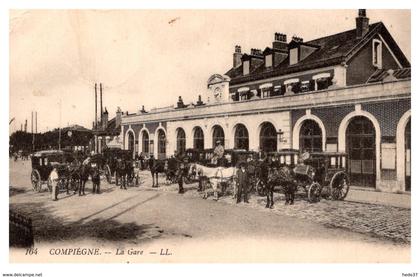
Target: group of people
77, 172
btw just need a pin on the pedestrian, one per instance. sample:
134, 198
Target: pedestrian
243, 180
53, 180
180, 176
141, 161
96, 180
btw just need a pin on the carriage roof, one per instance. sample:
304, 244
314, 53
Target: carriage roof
284, 152
326, 154
45, 153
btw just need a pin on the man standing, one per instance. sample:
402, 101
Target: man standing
96, 180
54, 179
218, 153
243, 180
180, 176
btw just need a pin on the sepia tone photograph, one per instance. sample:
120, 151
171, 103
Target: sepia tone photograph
210, 136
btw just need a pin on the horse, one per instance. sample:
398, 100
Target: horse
170, 168
121, 173
215, 176
284, 177
84, 172
156, 167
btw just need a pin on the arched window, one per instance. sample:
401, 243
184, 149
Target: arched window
241, 137
161, 144
310, 136
131, 142
408, 156
218, 135
180, 140
198, 138
145, 142
268, 138
361, 148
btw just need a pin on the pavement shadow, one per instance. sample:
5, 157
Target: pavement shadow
49, 228
14, 191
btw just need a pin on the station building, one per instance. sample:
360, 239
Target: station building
347, 92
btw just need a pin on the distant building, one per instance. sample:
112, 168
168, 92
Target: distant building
107, 132
347, 92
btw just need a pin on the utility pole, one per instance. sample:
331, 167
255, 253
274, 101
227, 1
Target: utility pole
32, 131
59, 129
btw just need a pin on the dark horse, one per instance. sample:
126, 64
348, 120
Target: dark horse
84, 172
121, 173
284, 177
156, 167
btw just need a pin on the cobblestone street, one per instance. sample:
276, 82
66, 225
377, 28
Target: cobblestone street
373, 219
152, 218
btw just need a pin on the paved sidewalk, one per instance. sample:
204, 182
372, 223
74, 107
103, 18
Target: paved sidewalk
382, 198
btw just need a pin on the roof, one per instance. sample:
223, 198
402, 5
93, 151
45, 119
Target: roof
48, 152
111, 128
381, 75
334, 49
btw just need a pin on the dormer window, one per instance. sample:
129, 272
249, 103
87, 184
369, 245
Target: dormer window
322, 81
246, 67
243, 93
377, 53
293, 56
266, 90
269, 61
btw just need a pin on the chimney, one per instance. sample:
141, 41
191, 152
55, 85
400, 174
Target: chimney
362, 24
26, 125
280, 42
104, 119
237, 57
118, 115
297, 39
199, 102
180, 103
256, 52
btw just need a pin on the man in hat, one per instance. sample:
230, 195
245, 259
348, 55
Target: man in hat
243, 180
218, 152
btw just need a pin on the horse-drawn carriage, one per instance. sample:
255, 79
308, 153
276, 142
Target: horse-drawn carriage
43, 162
327, 173
118, 165
317, 174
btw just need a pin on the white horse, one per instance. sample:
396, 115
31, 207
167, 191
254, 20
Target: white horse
216, 176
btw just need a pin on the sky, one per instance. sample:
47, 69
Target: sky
146, 57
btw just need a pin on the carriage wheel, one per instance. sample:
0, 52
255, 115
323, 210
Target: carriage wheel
36, 180
74, 184
314, 192
108, 174
340, 188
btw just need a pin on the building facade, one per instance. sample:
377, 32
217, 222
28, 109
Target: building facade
348, 92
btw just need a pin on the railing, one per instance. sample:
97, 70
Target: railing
20, 230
